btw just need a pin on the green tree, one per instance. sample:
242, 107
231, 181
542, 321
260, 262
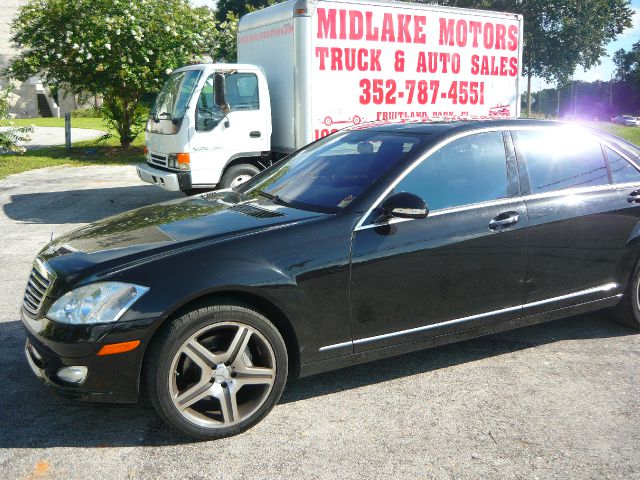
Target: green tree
239, 7
118, 48
623, 61
226, 47
560, 35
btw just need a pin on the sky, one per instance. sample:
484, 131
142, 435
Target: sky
624, 40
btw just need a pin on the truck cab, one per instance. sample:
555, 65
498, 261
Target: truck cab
210, 128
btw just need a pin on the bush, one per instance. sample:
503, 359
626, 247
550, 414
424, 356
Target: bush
11, 136
91, 112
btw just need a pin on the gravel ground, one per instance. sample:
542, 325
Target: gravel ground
559, 400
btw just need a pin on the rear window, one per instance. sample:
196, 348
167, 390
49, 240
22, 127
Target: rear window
561, 158
621, 170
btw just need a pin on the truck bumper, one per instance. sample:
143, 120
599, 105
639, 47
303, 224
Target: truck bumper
174, 181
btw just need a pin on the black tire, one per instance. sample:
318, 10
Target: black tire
627, 311
162, 373
235, 172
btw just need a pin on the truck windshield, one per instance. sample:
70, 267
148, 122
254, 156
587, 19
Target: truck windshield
175, 94
330, 174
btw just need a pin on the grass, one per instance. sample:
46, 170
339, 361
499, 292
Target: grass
95, 123
91, 152
630, 134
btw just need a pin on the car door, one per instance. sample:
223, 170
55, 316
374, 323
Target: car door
461, 267
576, 235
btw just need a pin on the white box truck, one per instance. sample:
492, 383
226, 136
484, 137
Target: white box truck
311, 67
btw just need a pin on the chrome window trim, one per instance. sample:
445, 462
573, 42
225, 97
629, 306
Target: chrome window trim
602, 288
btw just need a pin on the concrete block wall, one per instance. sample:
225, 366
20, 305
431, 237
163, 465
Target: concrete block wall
27, 105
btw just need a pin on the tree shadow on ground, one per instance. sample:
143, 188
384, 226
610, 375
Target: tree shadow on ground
82, 206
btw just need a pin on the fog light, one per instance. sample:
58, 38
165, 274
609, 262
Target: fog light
74, 374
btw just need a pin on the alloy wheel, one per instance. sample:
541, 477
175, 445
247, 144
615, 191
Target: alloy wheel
222, 374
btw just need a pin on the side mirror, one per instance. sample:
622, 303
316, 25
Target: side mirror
405, 205
220, 89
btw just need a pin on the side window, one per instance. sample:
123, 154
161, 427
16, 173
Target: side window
621, 170
242, 91
469, 170
560, 158
208, 115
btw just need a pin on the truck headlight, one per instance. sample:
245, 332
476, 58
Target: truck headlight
100, 302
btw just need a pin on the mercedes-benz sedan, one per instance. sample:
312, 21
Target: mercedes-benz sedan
366, 244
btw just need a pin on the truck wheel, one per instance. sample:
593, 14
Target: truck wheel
216, 371
238, 174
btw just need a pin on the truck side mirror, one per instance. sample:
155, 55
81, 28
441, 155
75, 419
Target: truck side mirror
220, 89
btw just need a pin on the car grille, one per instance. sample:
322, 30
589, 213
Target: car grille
158, 159
253, 211
39, 283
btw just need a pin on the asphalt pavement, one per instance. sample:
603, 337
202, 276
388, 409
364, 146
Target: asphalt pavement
558, 400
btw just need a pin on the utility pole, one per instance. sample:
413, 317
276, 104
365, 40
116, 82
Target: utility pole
558, 106
540, 97
611, 91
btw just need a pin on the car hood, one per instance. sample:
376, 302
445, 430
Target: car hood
163, 227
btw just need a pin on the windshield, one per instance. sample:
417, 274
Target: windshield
175, 94
331, 173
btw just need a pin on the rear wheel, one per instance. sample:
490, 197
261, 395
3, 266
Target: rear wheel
238, 174
627, 311
216, 371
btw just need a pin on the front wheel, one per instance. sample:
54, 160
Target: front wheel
238, 174
216, 371
627, 311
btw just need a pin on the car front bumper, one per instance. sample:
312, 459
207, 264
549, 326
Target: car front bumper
173, 181
114, 378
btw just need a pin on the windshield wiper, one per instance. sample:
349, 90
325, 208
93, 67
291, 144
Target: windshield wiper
167, 114
274, 198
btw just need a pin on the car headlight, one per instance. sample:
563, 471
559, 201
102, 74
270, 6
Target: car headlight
101, 302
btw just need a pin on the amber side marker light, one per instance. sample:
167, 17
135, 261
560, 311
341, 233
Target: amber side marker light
114, 348
182, 158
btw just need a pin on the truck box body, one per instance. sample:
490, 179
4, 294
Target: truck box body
335, 63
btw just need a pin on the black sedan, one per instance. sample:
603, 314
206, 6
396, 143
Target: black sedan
366, 244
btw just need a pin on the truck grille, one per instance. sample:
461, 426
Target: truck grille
158, 159
39, 283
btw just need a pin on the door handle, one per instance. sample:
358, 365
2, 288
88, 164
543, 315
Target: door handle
255, 134
634, 197
504, 220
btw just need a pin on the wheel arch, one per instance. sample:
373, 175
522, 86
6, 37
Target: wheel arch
252, 158
243, 299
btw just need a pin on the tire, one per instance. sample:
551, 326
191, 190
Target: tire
627, 311
216, 371
238, 174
